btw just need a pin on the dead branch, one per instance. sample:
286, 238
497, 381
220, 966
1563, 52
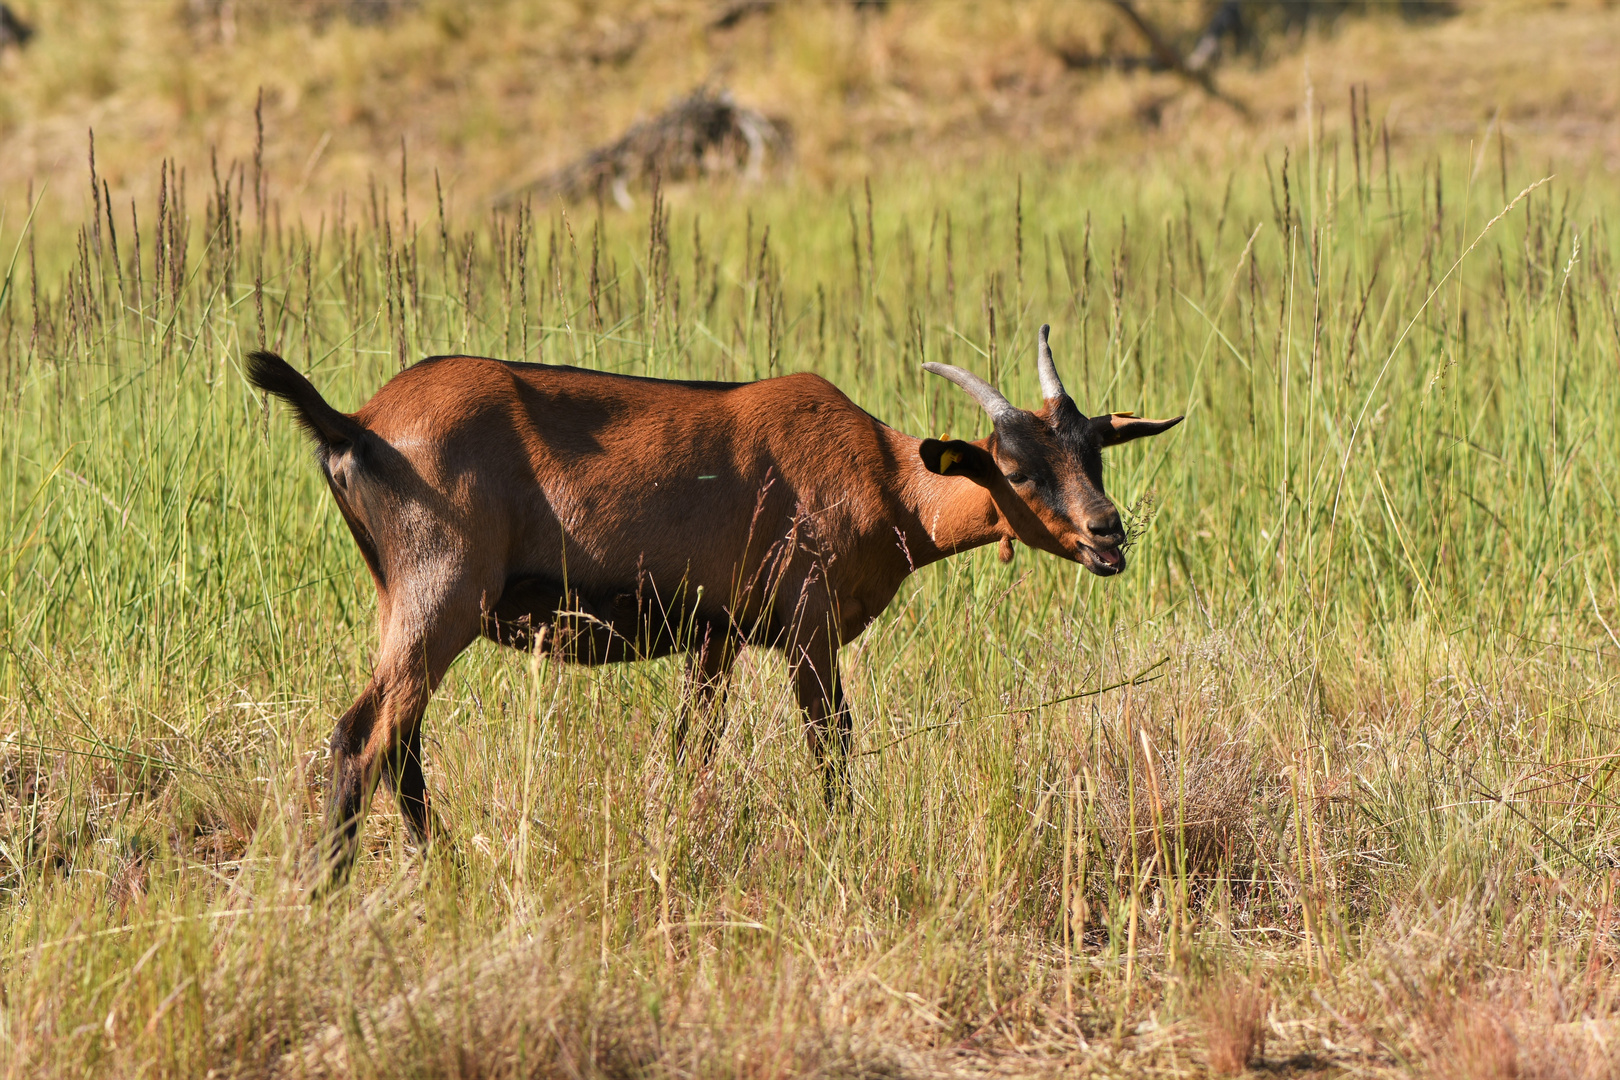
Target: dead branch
1167, 55
706, 133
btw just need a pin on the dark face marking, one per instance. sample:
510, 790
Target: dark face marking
1052, 460
1044, 469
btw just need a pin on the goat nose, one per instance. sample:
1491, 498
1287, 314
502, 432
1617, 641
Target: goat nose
1107, 524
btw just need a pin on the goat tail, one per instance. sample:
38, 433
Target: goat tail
329, 428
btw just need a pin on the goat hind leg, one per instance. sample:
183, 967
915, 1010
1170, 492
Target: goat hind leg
347, 792
380, 736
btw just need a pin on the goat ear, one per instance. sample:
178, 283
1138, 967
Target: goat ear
1111, 429
954, 457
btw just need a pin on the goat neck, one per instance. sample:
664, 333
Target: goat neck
942, 516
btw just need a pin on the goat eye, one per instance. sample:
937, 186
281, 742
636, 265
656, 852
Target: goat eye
1016, 478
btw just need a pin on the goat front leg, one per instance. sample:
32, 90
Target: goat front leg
402, 771
828, 726
708, 673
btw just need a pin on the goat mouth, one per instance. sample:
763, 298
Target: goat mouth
1104, 562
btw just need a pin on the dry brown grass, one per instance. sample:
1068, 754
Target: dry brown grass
1477, 1044
1517, 1026
1233, 1012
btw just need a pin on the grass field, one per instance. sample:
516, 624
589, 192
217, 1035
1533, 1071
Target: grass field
1322, 783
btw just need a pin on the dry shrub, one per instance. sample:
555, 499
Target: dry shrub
1234, 1018
1198, 794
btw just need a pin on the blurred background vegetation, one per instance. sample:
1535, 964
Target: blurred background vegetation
497, 94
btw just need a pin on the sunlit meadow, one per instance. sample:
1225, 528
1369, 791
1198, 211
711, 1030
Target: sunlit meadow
1320, 783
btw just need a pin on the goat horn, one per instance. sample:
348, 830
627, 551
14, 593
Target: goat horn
1051, 385
988, 397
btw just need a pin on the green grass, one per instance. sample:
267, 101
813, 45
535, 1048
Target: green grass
1359, 761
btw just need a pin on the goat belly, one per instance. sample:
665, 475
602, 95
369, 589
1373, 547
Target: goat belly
537, 612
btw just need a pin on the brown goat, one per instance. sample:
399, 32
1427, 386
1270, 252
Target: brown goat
607, 517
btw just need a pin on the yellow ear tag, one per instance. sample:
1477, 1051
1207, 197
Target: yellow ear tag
947, 459
1128, 415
